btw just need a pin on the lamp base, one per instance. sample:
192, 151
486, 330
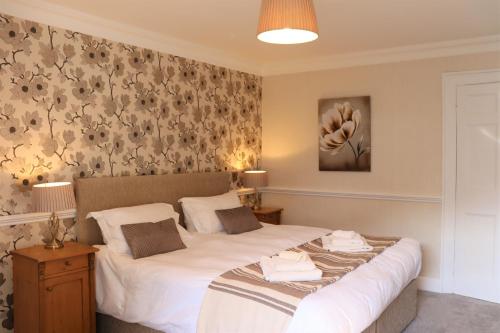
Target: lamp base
54, 244
257, 200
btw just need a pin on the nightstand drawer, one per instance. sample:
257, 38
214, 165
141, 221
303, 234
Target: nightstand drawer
273, 218
66, 265
268, 215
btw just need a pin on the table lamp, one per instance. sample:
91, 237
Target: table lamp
53, 198
255, 179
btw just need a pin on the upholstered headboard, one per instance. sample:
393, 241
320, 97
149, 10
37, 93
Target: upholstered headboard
95, 194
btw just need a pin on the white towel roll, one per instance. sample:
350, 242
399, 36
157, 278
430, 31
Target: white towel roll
331, 243
345, 234
295, 256
302, 271
346, 242
285, 265
352, 249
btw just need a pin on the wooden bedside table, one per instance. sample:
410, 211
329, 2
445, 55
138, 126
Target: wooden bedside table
54, 290
268, 215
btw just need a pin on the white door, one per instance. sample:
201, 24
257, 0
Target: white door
477, 227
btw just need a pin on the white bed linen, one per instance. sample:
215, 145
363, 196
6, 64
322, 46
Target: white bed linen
166, 291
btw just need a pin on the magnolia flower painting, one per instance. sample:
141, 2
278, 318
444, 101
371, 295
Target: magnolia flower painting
345, 134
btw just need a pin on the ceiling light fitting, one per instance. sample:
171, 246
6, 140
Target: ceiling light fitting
287, 22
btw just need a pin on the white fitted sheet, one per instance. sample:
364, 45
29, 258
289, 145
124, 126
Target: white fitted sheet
166, 291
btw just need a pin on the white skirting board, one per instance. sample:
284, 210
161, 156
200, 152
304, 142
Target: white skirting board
429, 284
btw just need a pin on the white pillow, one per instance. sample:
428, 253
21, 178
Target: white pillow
110, 221
199, 212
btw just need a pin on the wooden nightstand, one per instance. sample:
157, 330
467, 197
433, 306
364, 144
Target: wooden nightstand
54, 290
268, 215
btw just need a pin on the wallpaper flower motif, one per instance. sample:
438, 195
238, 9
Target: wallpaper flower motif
72, 105
77, 106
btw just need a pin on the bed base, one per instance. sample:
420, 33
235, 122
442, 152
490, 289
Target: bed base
398, 314
109, 324
394, 319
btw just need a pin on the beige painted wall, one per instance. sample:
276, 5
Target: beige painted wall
406, 147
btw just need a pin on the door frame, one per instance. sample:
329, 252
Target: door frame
451, 82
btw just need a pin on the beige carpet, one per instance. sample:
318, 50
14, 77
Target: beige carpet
445, 313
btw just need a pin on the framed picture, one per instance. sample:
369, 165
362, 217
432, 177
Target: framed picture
345, 134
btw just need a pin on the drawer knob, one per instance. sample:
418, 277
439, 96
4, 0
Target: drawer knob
50, 288
67, 263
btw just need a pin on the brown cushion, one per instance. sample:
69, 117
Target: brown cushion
147, 239
238, 220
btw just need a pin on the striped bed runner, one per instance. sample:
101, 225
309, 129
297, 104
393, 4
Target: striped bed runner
246, 286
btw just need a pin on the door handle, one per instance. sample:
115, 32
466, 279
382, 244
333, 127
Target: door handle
50, 288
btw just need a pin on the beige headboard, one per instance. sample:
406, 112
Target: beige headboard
95, 194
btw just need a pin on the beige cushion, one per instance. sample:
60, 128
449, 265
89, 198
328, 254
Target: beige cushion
147, 239
238, 220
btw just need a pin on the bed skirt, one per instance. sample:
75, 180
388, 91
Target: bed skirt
394, 319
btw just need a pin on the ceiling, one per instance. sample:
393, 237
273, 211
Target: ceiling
346, 26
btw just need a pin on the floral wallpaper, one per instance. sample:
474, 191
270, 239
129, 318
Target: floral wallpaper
72, 105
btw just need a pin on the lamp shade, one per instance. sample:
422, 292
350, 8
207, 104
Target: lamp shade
53, 197
255, 178
287, 22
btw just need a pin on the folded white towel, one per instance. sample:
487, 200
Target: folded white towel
345, 234
268, 266
332, 244
347, 242
277, 264
295, 256
363, 248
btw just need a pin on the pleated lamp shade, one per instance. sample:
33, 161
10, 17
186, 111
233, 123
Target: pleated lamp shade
255, 178
287, 22
53, 197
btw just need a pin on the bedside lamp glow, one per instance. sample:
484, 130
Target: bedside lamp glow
53, 198
255, 179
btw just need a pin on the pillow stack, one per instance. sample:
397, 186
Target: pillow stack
238, 220
150, 229
208, 215
111, 221
199, 212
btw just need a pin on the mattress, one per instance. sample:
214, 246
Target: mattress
166, 291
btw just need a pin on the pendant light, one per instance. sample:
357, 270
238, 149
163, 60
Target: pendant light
287, 22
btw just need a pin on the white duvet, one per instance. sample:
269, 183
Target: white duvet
166, 291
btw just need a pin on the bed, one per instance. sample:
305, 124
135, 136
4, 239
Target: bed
164, 293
